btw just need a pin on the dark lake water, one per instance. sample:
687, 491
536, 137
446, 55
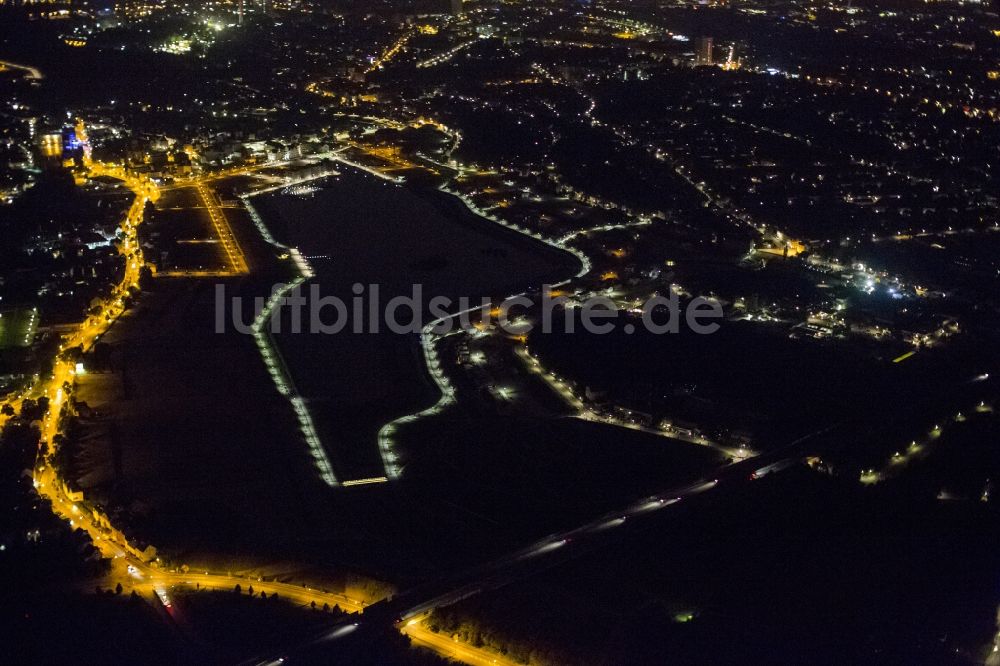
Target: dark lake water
360, 229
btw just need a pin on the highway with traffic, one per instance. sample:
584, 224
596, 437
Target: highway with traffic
409, 610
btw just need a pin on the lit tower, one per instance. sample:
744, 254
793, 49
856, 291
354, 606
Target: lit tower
456, 7
704, 54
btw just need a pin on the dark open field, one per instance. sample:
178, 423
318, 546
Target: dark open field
756, 378
794, 568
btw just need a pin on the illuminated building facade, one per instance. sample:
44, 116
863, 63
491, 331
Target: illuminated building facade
703, 56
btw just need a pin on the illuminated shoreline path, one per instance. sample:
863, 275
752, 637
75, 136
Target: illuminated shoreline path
429, 340
236, 265
268, 348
